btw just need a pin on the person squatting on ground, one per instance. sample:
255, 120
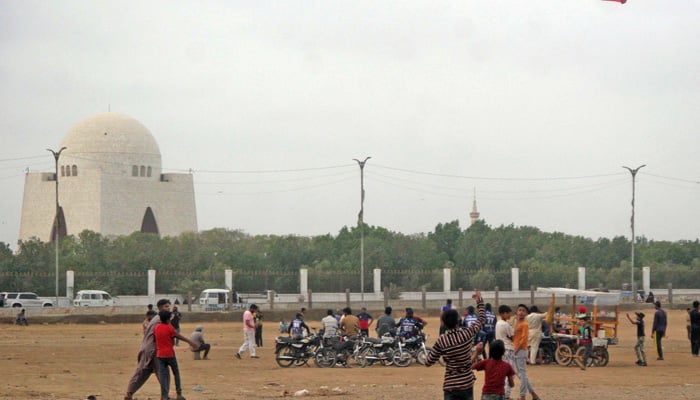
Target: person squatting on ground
534, 323
248, 332
495, 371
21, 318
658, 330
165, 335
639, 347
695, 329
455, 347
147, 362
520, 338
198, 338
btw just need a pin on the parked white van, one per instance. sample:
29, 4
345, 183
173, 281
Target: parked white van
93, 298
214, 298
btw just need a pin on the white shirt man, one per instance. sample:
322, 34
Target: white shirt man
330, 324
504, 332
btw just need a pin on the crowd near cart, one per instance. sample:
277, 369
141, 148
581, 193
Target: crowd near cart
603, 310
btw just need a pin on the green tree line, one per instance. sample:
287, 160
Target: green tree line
479, 256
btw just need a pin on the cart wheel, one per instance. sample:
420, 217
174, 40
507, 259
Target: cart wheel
581, 352
601, 357
564, 355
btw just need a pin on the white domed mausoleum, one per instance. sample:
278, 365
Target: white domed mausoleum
110, 181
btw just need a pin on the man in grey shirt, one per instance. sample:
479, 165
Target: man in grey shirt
385, 323
198, 338
147, 361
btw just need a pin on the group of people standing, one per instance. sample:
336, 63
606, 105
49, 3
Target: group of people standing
463, 340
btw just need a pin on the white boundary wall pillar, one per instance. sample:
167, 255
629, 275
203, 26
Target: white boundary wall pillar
228, 280
152, 286
515, 279
70, 285
646, 279
303, 281
446, 280
377, 280
581, 278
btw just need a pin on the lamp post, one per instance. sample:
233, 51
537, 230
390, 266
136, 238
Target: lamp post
56, 224
634, 175
360, 221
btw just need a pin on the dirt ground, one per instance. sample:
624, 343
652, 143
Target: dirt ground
69, 361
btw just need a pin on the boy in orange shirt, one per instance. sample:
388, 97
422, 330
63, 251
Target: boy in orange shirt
520, 337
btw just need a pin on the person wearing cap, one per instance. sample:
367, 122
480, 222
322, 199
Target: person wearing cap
198, 338
365, 321
658, 329
639, 347
585, 333
695, 328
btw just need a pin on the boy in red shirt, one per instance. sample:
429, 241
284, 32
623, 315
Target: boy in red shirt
496, 371
164, 334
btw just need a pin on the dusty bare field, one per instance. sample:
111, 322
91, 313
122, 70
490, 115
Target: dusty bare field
68, 361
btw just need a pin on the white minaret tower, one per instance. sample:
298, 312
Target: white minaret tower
474, 215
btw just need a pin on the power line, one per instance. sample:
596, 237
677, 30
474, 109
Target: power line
485, 178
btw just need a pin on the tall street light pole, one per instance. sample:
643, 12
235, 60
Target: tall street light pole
360, 221
634, 175
56, 224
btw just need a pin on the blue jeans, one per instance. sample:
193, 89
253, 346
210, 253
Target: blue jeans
466, 394
164, 376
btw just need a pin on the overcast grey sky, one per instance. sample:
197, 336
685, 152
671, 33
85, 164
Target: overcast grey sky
535, 104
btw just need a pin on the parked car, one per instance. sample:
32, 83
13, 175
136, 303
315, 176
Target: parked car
24, 299
214, 299
93, 298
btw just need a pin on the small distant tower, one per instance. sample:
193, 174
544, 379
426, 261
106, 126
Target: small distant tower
474, 215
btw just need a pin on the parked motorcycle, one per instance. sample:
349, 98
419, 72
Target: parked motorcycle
387, 350
548, 349
417, 348
289, 351
334, 350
